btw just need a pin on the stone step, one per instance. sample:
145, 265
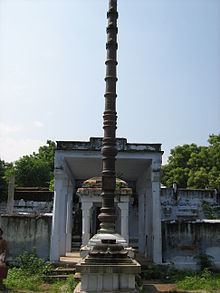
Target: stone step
154, 287
56, 277
68, 260
71, 258
74, 254
63, 270
75, 248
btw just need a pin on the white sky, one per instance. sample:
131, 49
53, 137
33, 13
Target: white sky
52, 72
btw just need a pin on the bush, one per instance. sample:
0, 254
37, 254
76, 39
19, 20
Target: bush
71, 283
164, 273
205, 281
18, 279
204, 261
30, 264
29, 276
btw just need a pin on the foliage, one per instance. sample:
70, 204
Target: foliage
205, 281
165, 273
51, 185
185, 280
4, 170
36, 169
18, 279
3, 185
46, 153
29, 263
71, 283
31, 171
29, 276
209, 211
204, 261
194, 166
65, 286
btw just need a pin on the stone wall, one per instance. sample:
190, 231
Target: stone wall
188, 204
27, 232
190, 226
182, 241
28, 206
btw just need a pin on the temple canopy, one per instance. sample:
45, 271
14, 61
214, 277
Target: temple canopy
137, 164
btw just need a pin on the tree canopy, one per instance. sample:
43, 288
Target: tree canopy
192, 166
34, 170
4, 167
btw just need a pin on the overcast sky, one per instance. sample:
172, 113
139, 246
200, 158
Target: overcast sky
52, 70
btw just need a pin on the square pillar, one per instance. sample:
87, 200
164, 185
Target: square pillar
58, 233
141, 190
156, 213
69, 218
124, 206
86, 220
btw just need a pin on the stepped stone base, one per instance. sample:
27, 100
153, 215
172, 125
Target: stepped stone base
97, 239
105, 278
79, 290
107, 267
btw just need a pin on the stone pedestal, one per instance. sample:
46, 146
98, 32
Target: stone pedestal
108, 278
108, 266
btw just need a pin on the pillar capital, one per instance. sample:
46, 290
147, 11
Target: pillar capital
59, 173
156, 165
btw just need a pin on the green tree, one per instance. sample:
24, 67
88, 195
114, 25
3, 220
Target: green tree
46, 153
3, 184
34, 170
4, 173
194, 166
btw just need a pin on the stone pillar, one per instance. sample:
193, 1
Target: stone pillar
58, 233
124, 206
156, 212
69, 218
148, 253
141, 190
11, 190
86, 219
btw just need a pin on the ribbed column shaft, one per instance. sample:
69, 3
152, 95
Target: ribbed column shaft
109, 150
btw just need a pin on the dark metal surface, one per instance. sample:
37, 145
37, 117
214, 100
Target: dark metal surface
109, 150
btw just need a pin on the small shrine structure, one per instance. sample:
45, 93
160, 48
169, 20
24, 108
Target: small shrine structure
90, 198
138, 164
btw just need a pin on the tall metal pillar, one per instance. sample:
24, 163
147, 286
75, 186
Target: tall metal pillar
109, 150
107, 266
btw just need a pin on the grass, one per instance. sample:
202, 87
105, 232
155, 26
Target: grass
29, 276
184, 280
18, 279
205, 280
